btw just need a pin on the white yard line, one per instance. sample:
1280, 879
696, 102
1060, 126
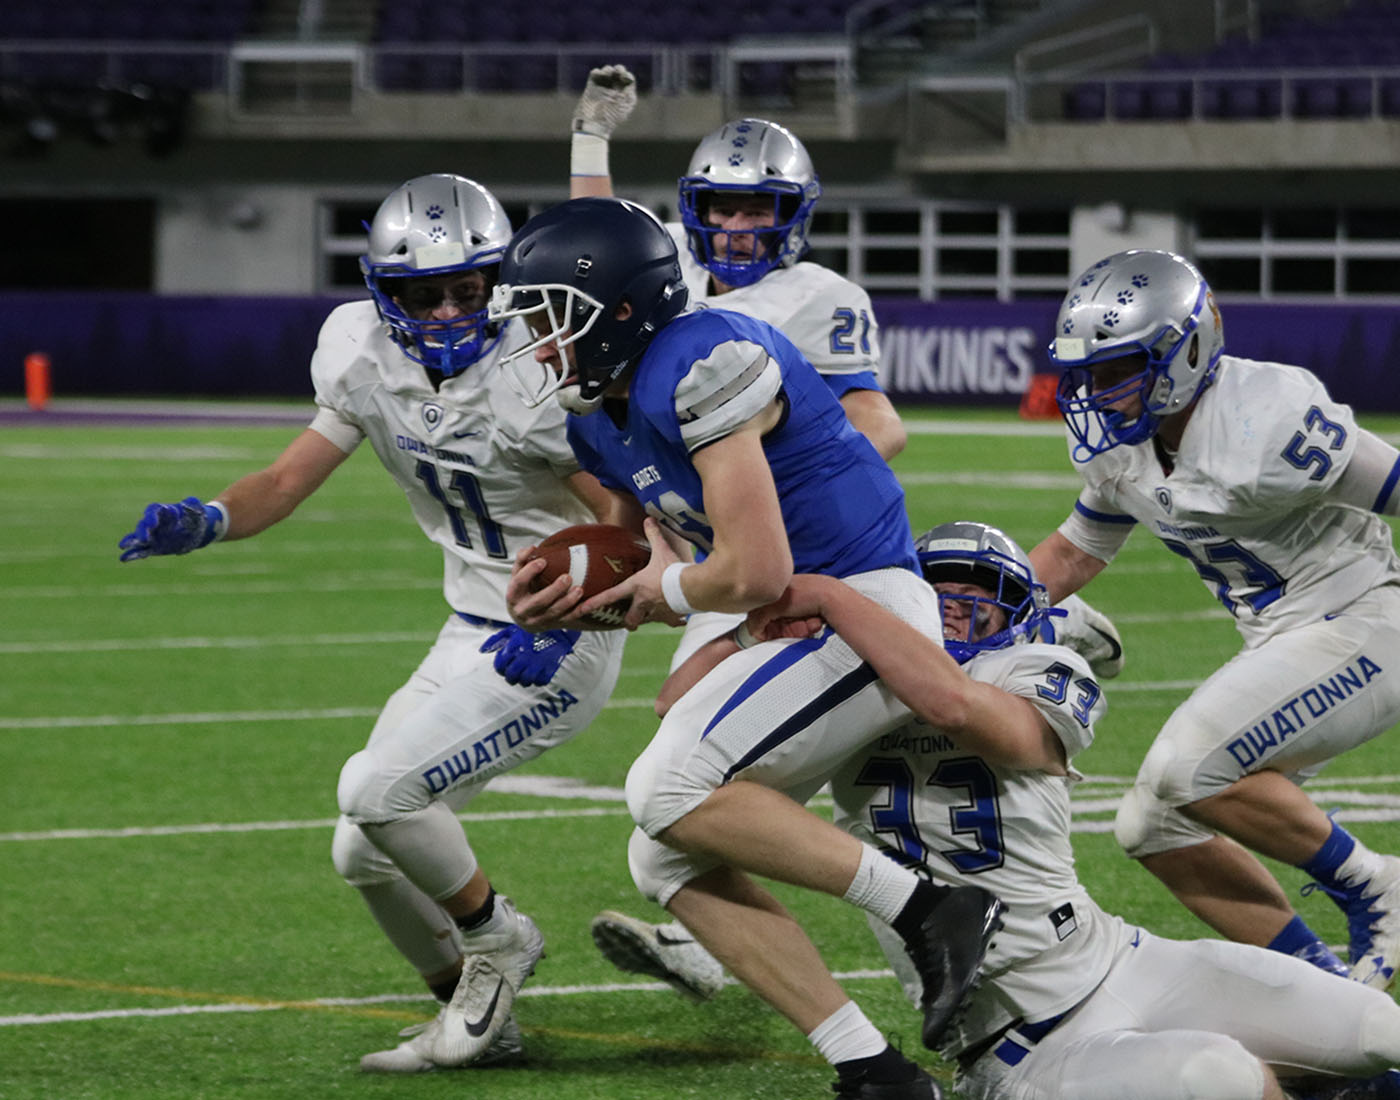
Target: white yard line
1357, 805
31, 1018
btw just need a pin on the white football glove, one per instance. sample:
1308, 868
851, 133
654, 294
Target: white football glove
607, 100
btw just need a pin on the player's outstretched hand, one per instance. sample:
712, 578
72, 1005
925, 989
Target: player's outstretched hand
530, 660
171, 529
607, 100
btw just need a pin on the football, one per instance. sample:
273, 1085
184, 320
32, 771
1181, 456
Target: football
596, 556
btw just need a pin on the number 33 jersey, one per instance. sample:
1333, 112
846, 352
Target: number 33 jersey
1247, 501
483, 474
928, 801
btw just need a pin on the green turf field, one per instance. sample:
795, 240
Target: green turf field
171, 732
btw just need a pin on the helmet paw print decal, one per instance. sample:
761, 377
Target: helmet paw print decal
434, 212
438, 234
1110, 318
1124, 297
1140, 280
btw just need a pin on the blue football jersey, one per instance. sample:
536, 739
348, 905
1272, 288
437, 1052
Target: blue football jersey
706, 374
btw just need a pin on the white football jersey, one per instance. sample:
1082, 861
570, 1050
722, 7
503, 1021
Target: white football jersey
483, 474
969, 822
1247, 502
827, 316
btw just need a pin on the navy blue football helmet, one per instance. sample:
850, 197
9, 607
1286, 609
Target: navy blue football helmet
440, 224
568, 272
978, 554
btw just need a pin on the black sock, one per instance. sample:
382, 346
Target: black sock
475, 920
920, 904
443, 990
888, 1065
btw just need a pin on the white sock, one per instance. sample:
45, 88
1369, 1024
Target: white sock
881, 886
846, 1034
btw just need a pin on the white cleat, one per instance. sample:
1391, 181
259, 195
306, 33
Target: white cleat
412, 1056
665, 951
1092, 635
496, 967
1374, 924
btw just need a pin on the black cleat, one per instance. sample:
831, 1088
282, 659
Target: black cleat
921, 1087
948, 950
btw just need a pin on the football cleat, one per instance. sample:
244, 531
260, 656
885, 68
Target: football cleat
920, 1087
948, 950
1373, 921
1092, 635
412, 1056
1320, 956
496, 966
665, 951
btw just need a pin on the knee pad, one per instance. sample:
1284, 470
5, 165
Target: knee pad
368, 795
1132, 825
659, 871
1221, 1070
358, 861
662, 790
356, 781
653, 803
1145, 825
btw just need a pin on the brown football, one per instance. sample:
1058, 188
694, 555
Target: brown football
596, 556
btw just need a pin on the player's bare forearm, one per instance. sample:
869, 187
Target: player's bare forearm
999, 726
692, 670
871, 414
258, 500
1062, 567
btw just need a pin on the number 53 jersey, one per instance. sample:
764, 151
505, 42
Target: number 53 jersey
483, 474
1247, 503
931, 803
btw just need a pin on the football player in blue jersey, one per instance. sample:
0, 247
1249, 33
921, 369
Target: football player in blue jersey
744, 207
709, 428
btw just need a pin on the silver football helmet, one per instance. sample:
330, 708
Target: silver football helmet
436, 225
1150, 304
751, 156
979, 554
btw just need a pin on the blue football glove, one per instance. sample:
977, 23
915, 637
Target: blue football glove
529, 659
172, 529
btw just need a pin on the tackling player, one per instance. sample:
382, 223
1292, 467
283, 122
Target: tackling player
417, 371
1073, 1001
1268, 487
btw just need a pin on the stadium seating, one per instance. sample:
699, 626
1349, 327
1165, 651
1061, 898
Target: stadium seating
173, 33
1344, 67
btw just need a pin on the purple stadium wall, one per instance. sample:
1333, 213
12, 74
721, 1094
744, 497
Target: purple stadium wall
946, 353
